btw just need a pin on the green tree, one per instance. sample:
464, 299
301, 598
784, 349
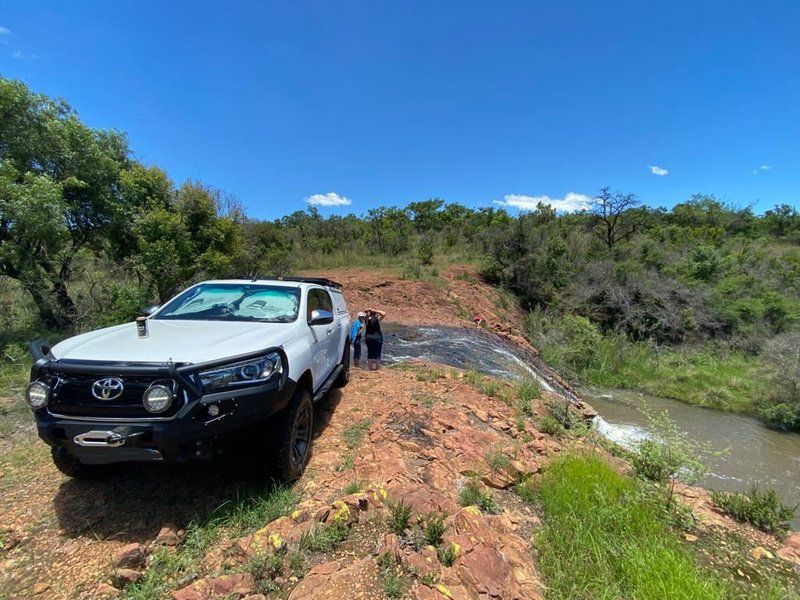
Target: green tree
178, 243
426, 215
389, 229
59, 194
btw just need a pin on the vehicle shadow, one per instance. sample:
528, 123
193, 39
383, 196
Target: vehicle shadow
135, 501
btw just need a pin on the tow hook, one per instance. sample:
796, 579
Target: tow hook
108, 439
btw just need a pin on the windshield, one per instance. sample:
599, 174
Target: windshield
234, 302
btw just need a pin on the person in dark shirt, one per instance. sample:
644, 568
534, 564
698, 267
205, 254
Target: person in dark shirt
373, 338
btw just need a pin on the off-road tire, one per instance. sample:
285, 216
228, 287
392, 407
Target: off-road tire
294, 422
344, 375
72, 467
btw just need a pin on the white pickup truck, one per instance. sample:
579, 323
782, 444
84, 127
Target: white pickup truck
221, 357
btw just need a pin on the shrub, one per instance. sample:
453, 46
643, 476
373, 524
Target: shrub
399, 517
498, 460
654, 461
668, 454
472, 495
447, 555
782, 407
551, 426
434, 529
298, 564
425, 251
353, 487
762, 509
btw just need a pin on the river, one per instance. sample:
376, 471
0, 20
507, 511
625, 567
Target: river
755, 454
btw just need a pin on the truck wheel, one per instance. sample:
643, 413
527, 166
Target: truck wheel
295, 428
344, 375
72, 467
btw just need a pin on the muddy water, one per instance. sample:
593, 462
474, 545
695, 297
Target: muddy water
755, 454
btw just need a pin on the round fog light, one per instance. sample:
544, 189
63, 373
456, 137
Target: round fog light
37, 394
157, 398
213, 410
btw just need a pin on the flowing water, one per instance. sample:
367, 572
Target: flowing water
755, 454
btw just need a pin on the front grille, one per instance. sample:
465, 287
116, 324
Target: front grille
72, 396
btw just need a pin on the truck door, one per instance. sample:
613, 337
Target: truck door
324, 344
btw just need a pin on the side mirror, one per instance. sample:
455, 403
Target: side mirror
321, 317
149, 310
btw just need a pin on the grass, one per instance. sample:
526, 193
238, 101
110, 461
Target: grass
429, 375
323, 538
14, 412
490, 388
394, 583
264, 568
551, 426
472, 495
498, 460
527, 392
705, 376
239, 517
473, 377
354, 434
353, 487
427, 400
348, 462
601, 539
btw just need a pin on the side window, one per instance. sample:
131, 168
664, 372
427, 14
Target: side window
318, 299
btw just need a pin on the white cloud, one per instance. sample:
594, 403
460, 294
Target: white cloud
22, 56
765, 167
4, 30
569, 203
658, 170
329, 199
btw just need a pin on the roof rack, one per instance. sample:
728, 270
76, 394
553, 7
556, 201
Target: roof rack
315, 280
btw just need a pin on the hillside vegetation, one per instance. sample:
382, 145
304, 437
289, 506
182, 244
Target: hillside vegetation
700, 302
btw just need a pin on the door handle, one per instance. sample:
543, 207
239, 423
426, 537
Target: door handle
329, 331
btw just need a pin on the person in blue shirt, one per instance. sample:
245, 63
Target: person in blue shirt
355, 335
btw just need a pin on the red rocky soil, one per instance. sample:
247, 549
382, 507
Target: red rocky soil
451, 300
424, 440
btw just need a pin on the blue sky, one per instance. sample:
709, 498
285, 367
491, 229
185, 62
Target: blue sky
391, 102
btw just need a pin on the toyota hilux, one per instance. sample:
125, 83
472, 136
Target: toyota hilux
219, 358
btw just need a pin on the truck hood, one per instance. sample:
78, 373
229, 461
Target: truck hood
179, 341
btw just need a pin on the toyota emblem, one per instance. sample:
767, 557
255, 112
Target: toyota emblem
109, 388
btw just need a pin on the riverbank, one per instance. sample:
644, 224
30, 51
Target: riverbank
711, 375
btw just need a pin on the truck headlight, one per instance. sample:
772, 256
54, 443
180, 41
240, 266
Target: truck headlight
37, 394
252, 371
157, 398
